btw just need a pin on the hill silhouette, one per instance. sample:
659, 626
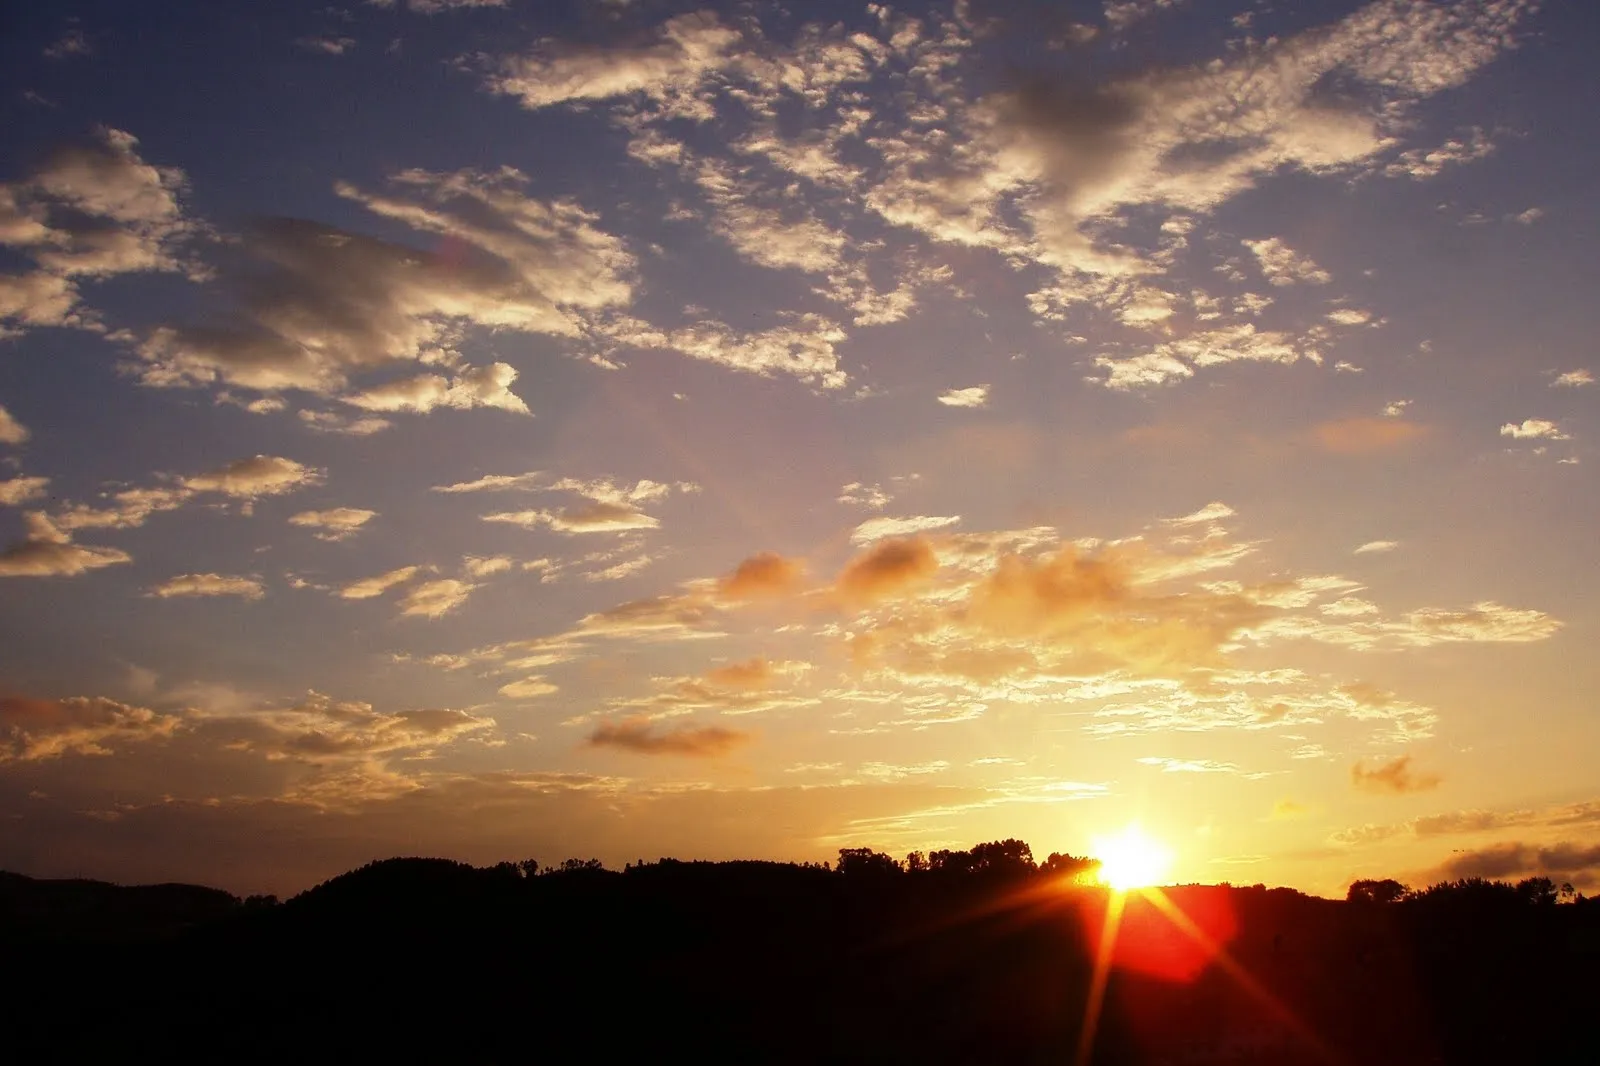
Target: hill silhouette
960, 957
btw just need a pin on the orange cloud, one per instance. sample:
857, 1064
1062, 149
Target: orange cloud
640, 736
762, 576
752, 673
886, 568
1025, 596
1394, 776
1366, 436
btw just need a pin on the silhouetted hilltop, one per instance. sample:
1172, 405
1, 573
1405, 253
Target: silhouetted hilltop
33, 909
961, 957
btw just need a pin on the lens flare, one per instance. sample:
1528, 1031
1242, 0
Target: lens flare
1131, 859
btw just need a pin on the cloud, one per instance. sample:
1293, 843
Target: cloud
610, 507
495, 483
1394, 777
1366, 436
876, 529
667, 64
434, 599
754, 673
326, 44
262, 475
1533, 429
324, 305
19, 490
974, 396
46, 551
437, 7
1571, 379
1176, 360
11, 431
338, 523
803, 347
71, 43
593, 517
369, 587
1215, 511
35, 729
209, 585
1528, 217
1419, 164
1482, 622
887, 568
528, 688
871, 497
1189, 766
642, 737
1372, 547
90, 211
763, 576
1559, 861
477, 386
1282, 265
486, 566
334, 422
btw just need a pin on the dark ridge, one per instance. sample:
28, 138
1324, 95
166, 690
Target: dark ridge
965, 957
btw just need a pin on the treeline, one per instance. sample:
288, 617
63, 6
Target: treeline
981, 955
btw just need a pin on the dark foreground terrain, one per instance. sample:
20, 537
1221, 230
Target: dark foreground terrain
968, 962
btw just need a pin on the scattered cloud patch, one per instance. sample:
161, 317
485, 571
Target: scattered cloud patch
973, 396
1395, 777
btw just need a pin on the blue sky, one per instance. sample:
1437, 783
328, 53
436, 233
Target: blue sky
642, 428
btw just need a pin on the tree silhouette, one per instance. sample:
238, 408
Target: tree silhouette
1386, 891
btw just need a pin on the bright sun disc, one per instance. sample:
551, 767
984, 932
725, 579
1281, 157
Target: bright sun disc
1131, 860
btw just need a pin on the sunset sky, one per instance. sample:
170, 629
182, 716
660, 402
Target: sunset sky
620, 428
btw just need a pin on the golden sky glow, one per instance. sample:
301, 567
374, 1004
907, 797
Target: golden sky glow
501, 430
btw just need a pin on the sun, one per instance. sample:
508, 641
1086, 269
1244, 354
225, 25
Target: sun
1131, 859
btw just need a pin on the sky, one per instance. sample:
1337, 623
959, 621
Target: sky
497, 429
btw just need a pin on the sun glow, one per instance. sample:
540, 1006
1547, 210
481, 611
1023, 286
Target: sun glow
1131, 859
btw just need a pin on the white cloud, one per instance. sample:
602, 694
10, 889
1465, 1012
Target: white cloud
337, 523
1529, 217
495, 483
474, 386
333, 305
1423, 163
869, 496
670, 65
528, 688
1533, 429
1189, 766
1395, 408
89, 211
972, 396
1215, 511
326, 44
19, 490
438, 7
261, 475
609, 507
1373, 546
11, 431
334, 422
802, 348
485, 566
47, 551
874, 529
1571, 379
1282, 265
369, 587
433, 599
209, 585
